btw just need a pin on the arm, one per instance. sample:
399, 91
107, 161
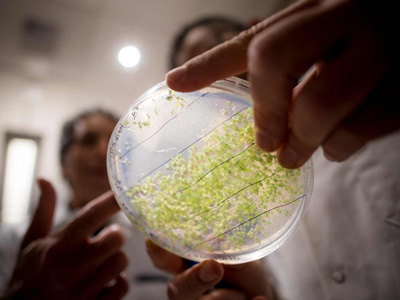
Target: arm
70, 264
349, 98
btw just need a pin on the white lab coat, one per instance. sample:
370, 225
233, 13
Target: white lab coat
348, 244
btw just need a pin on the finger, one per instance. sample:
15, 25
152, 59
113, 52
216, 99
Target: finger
85, 259
104, 274
279, 55
378, 116
227, 59
341, 145
195, 281
117, 290
224, 294
250, 277
163, 259
91, 217
42, 220
319, 106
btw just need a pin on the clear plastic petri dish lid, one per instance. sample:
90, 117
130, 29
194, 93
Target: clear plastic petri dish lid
186, 171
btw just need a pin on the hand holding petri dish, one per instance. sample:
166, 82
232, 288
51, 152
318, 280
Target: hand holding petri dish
186, 171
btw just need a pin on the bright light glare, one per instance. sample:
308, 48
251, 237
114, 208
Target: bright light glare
19, 175
129, 56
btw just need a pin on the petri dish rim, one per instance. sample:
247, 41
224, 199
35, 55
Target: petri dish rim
239, 87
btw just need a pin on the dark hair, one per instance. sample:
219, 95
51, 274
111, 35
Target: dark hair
68, 129
218, 24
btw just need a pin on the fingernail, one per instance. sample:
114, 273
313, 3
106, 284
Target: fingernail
264, 141
329, 157
335, 158
207, 273
114, 227
177, 74
39, 182
173, 290
288, 157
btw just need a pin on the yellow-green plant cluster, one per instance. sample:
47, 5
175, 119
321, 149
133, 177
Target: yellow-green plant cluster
223, 194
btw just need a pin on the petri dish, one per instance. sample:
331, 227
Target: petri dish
185, 169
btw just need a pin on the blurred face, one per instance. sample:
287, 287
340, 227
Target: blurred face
197, 41
85, 163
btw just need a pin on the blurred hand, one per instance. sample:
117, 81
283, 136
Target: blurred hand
70, 264
346, 101
245, 281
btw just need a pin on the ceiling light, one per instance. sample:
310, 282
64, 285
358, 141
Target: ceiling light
129, 56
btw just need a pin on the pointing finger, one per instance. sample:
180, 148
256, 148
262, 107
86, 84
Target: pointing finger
227, 59
42, 220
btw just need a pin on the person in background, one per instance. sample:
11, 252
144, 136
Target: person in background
83, 153
347, 244
201, 35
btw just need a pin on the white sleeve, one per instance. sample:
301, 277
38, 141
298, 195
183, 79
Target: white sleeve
10, 238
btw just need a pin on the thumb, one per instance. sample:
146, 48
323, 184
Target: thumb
43, 218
